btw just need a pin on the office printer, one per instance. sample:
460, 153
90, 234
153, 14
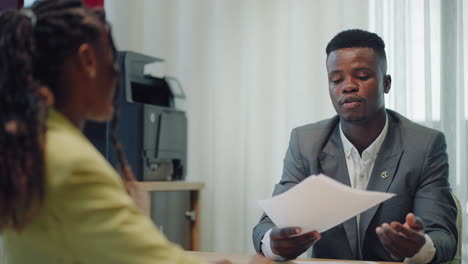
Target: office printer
152, 131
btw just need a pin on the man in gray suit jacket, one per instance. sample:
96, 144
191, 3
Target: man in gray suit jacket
369, 147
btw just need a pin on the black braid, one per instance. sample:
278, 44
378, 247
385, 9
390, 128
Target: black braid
125, 171
124, 168
22, 127
30, 57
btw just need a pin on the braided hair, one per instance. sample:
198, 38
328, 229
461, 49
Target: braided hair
32, 55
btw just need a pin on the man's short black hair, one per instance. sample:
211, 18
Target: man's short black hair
355, 38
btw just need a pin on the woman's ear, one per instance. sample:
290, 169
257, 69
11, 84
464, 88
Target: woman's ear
87, 60
47, 94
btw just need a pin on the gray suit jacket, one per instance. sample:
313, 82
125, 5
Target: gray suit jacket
415, 159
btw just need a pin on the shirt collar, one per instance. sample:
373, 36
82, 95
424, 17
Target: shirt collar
372, 149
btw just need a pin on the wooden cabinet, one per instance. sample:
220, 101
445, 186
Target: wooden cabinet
175, 209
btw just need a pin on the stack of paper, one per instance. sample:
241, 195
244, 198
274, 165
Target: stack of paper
319, 203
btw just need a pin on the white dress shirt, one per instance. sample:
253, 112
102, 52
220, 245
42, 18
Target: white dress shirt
359, 169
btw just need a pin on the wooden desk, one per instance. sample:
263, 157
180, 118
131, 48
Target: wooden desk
194, 188
245, 259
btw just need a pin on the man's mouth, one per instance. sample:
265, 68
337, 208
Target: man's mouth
351, 102
351, 105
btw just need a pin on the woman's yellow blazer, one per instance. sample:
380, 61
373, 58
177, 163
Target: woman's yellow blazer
87, 216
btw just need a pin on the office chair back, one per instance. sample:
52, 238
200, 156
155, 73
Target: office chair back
457, 258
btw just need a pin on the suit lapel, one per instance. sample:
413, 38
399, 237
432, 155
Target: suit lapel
332, 159
384, 169
333, 164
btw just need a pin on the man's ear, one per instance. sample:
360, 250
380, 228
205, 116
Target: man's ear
86, 57
387, 83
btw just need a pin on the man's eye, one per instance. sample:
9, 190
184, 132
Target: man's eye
335, 80
363, 77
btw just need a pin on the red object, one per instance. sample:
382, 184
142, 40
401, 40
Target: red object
94, 3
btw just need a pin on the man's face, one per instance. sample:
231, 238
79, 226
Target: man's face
357, 83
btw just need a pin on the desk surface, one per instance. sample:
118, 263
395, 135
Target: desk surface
153, 186
245, 259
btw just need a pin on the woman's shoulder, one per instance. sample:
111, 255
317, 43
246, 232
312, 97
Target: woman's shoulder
68, 152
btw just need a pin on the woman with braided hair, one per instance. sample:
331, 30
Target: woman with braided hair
60, 200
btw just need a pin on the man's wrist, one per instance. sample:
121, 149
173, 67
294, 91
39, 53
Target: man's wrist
266, 247
425, 254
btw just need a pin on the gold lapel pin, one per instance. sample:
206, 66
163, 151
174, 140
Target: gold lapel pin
384, 175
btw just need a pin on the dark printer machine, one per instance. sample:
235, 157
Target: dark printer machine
152, 131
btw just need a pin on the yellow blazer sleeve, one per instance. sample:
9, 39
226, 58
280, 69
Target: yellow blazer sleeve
102, 224
99, 221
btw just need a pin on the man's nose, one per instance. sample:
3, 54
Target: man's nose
350, 86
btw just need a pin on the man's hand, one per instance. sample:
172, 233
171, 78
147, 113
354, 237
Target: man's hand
285, 244
402, 240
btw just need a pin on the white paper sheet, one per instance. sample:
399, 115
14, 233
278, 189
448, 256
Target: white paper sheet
319, 203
